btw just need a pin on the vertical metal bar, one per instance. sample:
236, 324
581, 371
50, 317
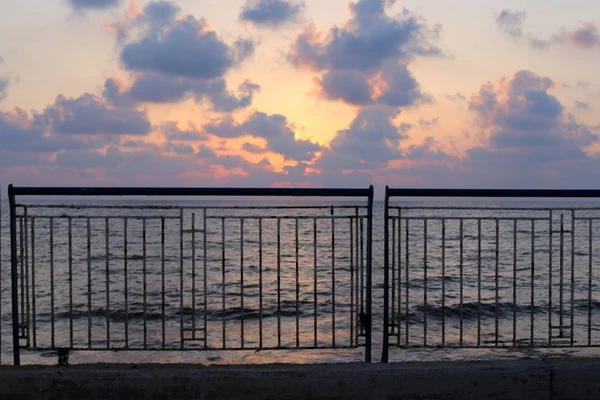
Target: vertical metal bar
260, 284
298, 288
107, 275
391, 268
205, 276
332, 279
26, 262
352, 343
71, 282
144, 283
407, 263
242, 278
425, 282
461, 277
278, 282
181, 288
532, 280
514, 282
478, 282
14, 276
1, 314
223, 280
590, 284
561, 277
369, 276
33, 295
572, 277
443, 282
386, 275
125, 282
315, 282
22, 274
550, 256
89, 281
358, 308
162, 279
193, 275
399, 276
362, 265
497, 271
52, 281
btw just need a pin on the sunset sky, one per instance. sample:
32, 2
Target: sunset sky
408, 93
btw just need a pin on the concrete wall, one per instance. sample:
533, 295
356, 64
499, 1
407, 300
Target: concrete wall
535, 379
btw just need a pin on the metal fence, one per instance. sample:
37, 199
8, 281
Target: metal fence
190, 275
490, 275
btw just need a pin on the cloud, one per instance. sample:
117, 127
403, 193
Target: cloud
370, 142
511, 22
364, 42
158, 88
586, 36
81, 5
4, 84
90, 114
428, 124
271, 13
184, 48
457, 97
364, 60
275, 129
521, 117
25, 133
172, 133
582, 105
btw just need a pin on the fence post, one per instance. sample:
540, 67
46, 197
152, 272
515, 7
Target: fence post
369, 284
14, 277
386, 278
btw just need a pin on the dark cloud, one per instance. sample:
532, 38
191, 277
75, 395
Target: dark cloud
185, 48
586, 35
179, 148
346, 85
25, 133
172, 132
80, 5
275, 129
370, 142
368, 39
520, 114
428, 124
158, 88
456, 97
542, 44
253, 148
89, 114
4, 84
150, 165
511, 22
271, 13
582, 105
399, 88
364, 61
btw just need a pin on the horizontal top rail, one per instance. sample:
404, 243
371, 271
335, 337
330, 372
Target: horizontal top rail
188, 191
506, 193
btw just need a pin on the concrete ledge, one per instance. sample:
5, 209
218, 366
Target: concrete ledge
525, 379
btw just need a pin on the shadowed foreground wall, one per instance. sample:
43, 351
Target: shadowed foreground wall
525, 379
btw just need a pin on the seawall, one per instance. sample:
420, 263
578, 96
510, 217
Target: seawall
521, 379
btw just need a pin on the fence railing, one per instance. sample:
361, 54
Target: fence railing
190, 275
490, 275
